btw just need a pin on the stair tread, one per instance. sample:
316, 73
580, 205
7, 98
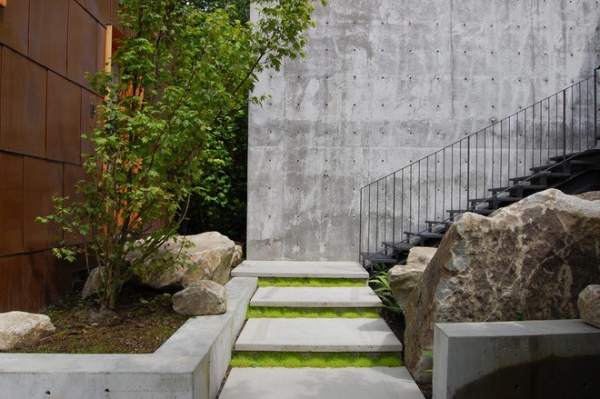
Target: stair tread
317, 335
425, 234
251, 268
316, 297
498, 199
347, 383
520, 187
540, 174
398, 246
378, 257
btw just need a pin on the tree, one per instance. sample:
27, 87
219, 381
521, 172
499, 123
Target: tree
185, 69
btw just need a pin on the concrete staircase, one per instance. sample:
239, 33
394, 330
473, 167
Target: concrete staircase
365, 335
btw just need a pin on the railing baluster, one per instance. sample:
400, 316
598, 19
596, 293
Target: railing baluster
411, 204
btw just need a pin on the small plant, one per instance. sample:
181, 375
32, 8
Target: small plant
383, 290
381, 286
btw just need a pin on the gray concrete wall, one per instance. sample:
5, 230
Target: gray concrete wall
550, 359
384, 83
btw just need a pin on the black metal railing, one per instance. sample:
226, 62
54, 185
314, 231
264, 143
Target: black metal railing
426, 195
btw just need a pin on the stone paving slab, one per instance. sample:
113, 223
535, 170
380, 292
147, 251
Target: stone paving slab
317, 335
316, 297
342, 383
253, 268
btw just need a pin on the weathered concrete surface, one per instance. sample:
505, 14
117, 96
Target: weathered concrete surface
387, 82
341, 383
317, 335
551, 359
189, 365
529, 260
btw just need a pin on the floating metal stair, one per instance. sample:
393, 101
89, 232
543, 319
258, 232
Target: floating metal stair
551, 144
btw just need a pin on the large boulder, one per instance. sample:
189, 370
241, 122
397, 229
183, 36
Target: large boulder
589, 305
404, 278
20, 329
529, 260
202, 297
210, 258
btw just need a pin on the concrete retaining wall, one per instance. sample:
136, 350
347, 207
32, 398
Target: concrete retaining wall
384, 83
190, 365
534, 359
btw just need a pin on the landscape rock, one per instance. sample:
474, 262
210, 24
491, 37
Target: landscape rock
202, 297
210, 257
404, 278
527, 261
238, 256
589, 305
93, 283
21, 329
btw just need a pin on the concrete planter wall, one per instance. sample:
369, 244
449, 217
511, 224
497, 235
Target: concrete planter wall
190, 365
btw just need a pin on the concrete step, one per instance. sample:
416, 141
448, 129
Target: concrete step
312, 297
253, 268
342, 383
317, 335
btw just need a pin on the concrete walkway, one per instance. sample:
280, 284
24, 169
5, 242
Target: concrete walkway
316, 335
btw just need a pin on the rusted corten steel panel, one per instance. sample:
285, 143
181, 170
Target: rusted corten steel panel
99, 9
11, 204
63, 125
23, 105
48, 33
89, 116
22, 282
46, 49
42, 180
73, 174
14, 23
57, 277
82, 43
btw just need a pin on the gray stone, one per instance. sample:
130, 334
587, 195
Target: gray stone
21, 329
210, 258
238, 256
529, 260
404, 278
202, 297
589, 305
93, 283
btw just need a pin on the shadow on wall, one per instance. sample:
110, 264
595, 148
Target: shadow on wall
550, 378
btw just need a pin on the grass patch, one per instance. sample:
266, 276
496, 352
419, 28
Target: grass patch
314, 359
309, 282
257, 312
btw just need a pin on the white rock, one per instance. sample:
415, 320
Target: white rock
21, 329
588, 304
202, 297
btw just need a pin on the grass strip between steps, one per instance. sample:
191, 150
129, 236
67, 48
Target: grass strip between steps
314, 359
309, 282
258, 312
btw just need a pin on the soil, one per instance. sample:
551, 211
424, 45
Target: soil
141, 323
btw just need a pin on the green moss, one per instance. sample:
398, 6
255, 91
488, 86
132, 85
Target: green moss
317, 360
310, 282
256, 312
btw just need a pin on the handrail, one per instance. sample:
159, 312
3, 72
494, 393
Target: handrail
432, 190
